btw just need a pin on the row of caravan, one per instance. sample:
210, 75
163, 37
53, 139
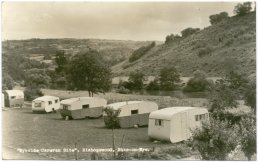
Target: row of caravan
171, 124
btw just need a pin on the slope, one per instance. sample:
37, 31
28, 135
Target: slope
230, 44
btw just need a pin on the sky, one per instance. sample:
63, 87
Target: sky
106, 20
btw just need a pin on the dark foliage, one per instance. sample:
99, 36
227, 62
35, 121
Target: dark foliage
189, 31
153, 85
168, 78
243, 9
140, 52
111, 119
172, 38
32, 92
198, 83
216, 18
87, 71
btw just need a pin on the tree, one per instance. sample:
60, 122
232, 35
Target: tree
222, 96
226, 91
172, 38
214, 19
215, 139
31, 92
37, 77
248, 137
87, 71
168, 78
189, 31
243, 9
112, 121
153, 85
8, 82
136, 81
61, 61
198, 83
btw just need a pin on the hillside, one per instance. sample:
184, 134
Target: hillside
113, 51
230, 44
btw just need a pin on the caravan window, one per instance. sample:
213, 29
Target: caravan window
201, 117
86, 106
50, 102
12, 97
56, 101
65, 107
37, 104
134, 111
159, 122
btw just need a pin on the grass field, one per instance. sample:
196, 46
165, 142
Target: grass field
23, 129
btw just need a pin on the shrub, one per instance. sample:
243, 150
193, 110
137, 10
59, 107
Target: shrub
189, 31
140, 52
204, 51
198, 83
218, 17
215, 139
153, 85
168, 78
243, 9
111, 120
123, 90
32, 92
172, 38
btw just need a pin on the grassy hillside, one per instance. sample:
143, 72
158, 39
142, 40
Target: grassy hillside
230, 44
113, 51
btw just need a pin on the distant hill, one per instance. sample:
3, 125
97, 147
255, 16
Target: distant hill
113, 51
230, 44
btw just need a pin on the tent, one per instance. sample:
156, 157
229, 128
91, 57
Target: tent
45, 104
133, 112
81, 107
175, 123
14, 98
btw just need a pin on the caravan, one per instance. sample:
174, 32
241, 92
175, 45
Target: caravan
133, 113
14, 98
79, 108
45, 104
175, 123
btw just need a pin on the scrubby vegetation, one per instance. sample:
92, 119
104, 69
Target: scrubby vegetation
140, 52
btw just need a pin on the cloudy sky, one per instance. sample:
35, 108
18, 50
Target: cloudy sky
108, 20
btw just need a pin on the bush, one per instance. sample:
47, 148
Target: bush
198, 83
204, 51
189, 31
218, 17
32, 92
243, 9
153, 85
140, 52
123, 90
172, 38
111, 120
215, 139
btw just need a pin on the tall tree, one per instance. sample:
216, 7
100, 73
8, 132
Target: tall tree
61, 61
136, 80
243, 9
168, 78
87, 71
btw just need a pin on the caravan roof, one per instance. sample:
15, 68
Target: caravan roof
72, 100
45, 98
117, 105
14, 92
167, 113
